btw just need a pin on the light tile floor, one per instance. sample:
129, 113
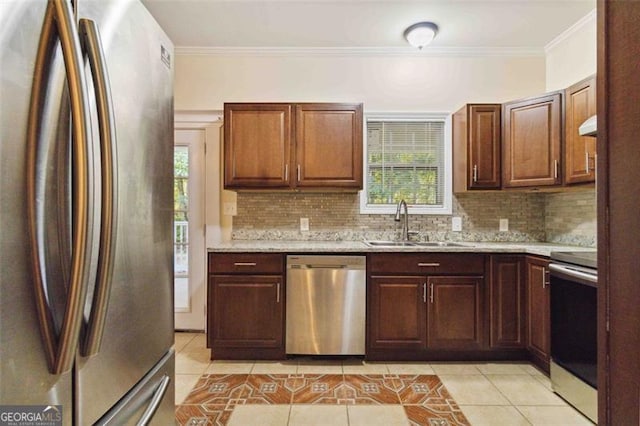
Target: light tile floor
492, 394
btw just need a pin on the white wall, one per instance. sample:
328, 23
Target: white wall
383, 82
572, 55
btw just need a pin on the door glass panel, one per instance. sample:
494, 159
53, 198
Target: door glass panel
181, 228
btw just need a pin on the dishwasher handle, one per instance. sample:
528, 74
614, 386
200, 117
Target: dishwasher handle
311, 266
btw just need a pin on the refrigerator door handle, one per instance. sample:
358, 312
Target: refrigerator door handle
60, 348
158, 395
90, 37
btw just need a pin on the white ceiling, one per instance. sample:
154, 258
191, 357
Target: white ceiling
464, 24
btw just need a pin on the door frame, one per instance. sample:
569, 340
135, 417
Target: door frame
209, 122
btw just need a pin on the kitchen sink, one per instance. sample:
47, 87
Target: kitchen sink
438, 244
413, 244
389, 243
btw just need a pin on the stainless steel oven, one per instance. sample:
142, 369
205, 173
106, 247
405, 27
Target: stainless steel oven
574, 347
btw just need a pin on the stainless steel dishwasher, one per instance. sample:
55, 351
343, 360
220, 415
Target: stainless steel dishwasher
326, 299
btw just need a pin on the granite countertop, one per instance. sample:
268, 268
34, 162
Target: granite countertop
282, 246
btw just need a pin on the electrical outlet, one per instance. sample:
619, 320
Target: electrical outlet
504, 225
304, 223
456, 224
229, 209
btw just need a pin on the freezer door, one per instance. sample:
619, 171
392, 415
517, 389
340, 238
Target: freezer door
151, 401
138, 329
24, 374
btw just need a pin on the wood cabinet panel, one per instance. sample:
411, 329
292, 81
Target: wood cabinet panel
507, 302
396, 313
455, 315
329, 145
532, 135
538, 311
246, 311
257, 143
426, 263
246, 263
580, 151
477, 136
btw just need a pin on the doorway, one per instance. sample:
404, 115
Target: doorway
189, 230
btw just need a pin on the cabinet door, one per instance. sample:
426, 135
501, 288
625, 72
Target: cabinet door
580, 151
396, 312
257, 141
454, 313
507, 319
531, 141
246, 311
329, 145
476, 147
538, 311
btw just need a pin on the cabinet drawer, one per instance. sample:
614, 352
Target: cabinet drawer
245, 263
426, 263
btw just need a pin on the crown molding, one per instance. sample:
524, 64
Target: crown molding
587, 19
361, 51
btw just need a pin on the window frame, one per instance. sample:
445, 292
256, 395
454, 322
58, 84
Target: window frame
446, 207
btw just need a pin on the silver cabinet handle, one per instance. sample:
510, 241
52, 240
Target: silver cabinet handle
555, 169
278, 293
60, 348
586, 162
298, 171
544, 277
431, 296
156, 400
424, 292
286, 172
245, 264
109, 214
475, 172
429, 264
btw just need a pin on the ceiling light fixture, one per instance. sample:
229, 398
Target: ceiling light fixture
421, 34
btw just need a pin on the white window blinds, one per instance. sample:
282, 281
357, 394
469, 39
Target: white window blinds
406, 160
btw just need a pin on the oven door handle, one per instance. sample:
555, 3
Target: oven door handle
569, 273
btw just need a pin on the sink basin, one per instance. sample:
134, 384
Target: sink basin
412, 244
438, 244
389, 243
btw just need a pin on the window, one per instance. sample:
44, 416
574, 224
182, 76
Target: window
407, 158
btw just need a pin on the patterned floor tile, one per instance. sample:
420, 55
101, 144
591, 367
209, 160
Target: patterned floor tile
316, 388
217, 389
420, 415
201, 415
368, 389
268, 389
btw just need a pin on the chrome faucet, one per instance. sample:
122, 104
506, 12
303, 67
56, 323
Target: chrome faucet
405, 223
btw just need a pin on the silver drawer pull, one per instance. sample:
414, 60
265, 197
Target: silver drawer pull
245, 264
431, 265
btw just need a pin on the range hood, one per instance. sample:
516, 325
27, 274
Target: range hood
589, 127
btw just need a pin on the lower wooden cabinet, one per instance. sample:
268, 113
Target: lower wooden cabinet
507, 302
245, 318
454, 313
538, 311
425, 305
396, 314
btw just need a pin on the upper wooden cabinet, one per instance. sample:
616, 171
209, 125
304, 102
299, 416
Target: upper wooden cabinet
308, 145
476, 147
532, 135
329, 145
579, 151
257, 145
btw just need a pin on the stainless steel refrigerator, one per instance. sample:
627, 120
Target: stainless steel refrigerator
86, 205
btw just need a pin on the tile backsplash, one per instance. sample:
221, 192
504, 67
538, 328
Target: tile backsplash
564, 218
570, 218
